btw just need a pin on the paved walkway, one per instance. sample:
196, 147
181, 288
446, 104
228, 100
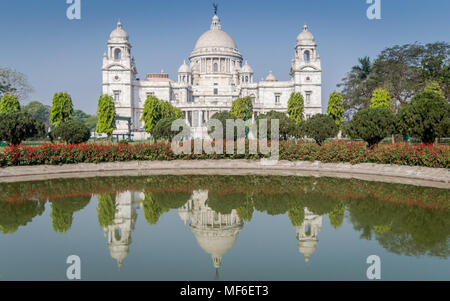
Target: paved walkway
420, 176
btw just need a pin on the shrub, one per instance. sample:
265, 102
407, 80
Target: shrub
71, 132
163, 129
223, 117
320, 127
17, 126
287, 126
372, 125
427, 117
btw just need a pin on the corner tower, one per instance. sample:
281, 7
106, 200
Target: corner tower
306, 72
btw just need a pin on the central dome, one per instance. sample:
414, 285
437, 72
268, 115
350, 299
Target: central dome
215, 39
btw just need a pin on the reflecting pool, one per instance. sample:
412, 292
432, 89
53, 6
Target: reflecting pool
223, 227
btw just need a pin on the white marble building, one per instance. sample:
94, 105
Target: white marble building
215, 76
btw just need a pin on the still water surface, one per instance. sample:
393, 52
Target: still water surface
223, 227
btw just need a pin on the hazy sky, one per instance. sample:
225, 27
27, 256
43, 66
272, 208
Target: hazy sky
58, 54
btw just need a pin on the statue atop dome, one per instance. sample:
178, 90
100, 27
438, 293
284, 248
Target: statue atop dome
216, 6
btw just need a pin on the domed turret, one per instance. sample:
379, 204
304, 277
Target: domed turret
305, 38
271, 77
246, 68
184, 68
118, 34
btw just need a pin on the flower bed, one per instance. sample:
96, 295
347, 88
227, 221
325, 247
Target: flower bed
332, 152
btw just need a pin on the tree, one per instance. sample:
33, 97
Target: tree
155, 110
427, 116
106, 209
381, 98
106, 114
357, 87
71, 132
320, 127
163, 129
287, 126
372, 125
402, 70
336, 215
63, 210
336, 108
16, 127
297, 215
62, 109
152, 210
13, 82
241, 108
296, 107
39, 112
223, 117
9, 104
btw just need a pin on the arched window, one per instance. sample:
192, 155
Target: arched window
216, 67
306, 56
117, 54
246, 79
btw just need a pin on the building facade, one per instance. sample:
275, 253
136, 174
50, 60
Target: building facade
215, 76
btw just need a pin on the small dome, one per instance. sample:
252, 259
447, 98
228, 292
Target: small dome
184, 68
305, 37
119, 34
246, 68
271, 77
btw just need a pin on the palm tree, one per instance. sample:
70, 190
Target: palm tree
364, 68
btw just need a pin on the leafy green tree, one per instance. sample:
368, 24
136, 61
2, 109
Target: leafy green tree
106, 114
71, 132
381, 98
62, 109
357, 87
88, 120
403, 70
297, 215
287, 126
12, 216
106, 209
38, 111
372, 125
296, 107
336, 108
239, 106
16, 127
320, 127
163, 129
152, 210
63, 210
336, 216
223, 117
155, 110
9, 104
61, 219
427, 117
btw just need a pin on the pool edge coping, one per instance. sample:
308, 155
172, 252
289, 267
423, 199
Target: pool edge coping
411, 175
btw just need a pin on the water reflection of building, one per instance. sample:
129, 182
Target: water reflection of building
216, 233
307, 233
119, 233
